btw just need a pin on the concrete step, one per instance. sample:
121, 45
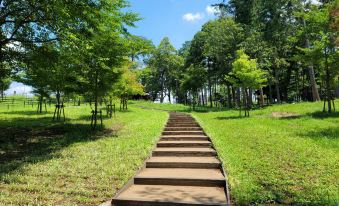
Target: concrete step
183, 162
166, 195
184, 152
184, 144
183, 129
184, 137
183, 132
180, 176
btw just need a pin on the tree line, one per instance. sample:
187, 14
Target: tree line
272, 51
71, 48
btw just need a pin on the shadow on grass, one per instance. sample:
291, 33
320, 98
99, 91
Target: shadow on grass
28, 113
231, 118
326, 137
32, 140
331, 133
324, 115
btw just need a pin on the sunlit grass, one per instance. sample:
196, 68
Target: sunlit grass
47, 163
276, 160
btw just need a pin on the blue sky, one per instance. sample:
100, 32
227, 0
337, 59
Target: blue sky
177, 19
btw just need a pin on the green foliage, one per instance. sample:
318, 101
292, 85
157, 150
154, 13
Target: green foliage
164, 69
128, 85
245, 72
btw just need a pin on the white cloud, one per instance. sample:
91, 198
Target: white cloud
315, 2
210, 10
190, 17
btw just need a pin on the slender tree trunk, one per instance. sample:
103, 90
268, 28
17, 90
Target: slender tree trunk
169, 96
314, 86
162, 89
2, 94
270, 91
202, 97
95, 100
162, 96
328, 86
210, 91
246, 102
215, 92
297, 86
40, 103
229, 96
261, 100
234, 99
315, 93
249, 98
238, 97
277, 88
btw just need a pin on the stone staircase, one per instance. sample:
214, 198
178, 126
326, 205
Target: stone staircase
183, 170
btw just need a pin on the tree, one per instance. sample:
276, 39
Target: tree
100, 48
39, 61
127, 86
139, 46
26, 22
222, 41
4, 85
323, 49
194, 79
164, 63
246, 74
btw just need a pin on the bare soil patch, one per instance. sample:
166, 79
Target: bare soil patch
284, 114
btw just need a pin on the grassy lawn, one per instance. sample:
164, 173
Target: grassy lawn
47, 163
285, 154
288, 159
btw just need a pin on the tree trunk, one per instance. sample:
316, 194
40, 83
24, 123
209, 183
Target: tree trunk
277, 88
95, 101
169, 96
229, 96
215, 92
40, 103
234, 99
315, 93
2, 94
261, 100
270, 91
249, 98
328, 86
246, 102
297, 86
238, 97
202, 97
210, 91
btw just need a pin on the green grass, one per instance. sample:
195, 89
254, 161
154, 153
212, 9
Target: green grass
276, 160
48, 163
269, 160
163, 106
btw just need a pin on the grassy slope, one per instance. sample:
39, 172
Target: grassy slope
276, 160
43, 163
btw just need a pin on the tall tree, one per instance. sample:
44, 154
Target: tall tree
100, 49
246, 74
323, 50
163, 63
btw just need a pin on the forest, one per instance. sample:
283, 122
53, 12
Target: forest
258, 53
268, 51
